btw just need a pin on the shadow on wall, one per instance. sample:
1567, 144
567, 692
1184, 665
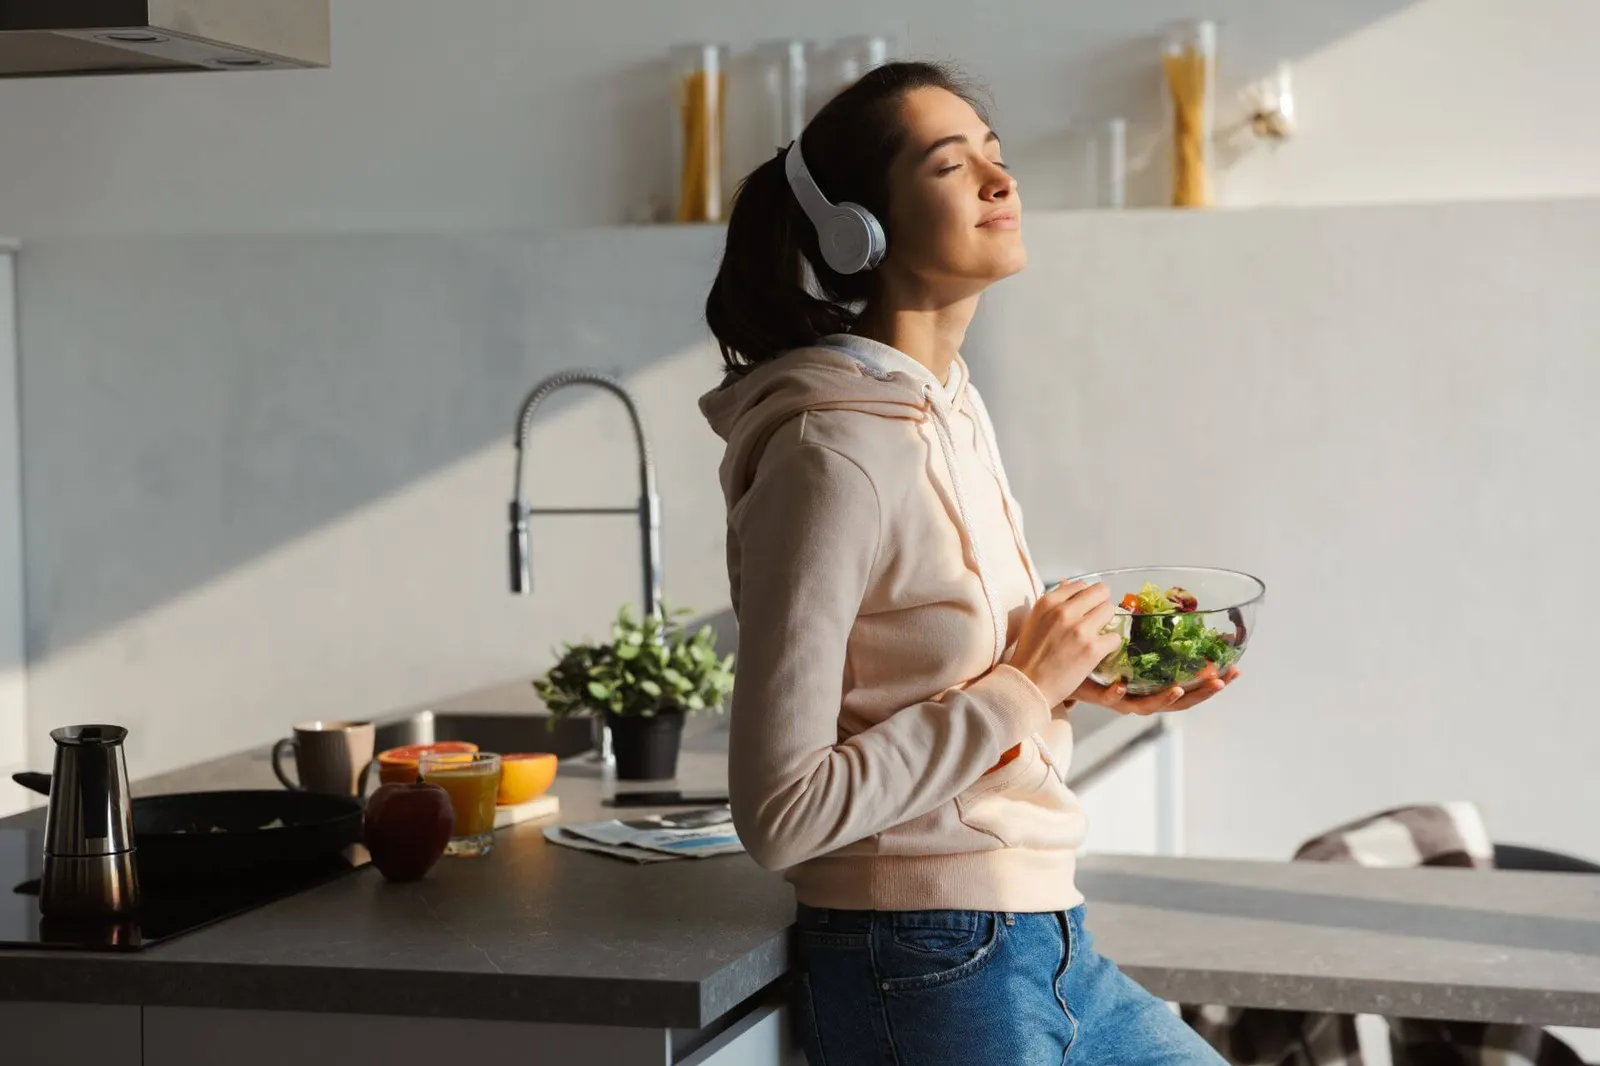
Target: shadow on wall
227, 397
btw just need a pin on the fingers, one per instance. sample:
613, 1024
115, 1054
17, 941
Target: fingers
1080, 605
1178, 699
1200, 693
1207, 689
1061, 593
1071, 590
1087, 597
1144, 706
1115, 696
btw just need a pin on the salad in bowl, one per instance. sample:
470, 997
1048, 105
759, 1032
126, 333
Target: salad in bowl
1180, 625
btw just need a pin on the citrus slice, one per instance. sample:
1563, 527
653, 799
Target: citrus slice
399, 765
524, 777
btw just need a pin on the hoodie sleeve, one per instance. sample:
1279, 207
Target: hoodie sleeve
807, 536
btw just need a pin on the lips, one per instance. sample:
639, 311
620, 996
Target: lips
1007, 219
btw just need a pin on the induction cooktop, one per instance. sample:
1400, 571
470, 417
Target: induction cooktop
165, 911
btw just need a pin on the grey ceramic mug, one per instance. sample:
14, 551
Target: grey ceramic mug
328, 757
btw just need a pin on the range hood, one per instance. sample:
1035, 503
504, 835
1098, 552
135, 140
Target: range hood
66, 38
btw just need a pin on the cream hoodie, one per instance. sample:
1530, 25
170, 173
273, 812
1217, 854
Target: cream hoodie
879, 575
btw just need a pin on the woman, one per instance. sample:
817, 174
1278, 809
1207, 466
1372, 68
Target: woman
900, 728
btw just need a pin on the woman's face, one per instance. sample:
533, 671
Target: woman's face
955, 219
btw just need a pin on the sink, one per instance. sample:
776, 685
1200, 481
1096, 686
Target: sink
491, 732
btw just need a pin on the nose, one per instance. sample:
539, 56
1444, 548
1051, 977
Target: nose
998, 184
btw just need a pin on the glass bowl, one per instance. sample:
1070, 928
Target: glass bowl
1197, 631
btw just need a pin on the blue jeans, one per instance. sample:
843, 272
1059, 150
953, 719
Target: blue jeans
973, 988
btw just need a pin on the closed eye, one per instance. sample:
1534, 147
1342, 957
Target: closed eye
953, 167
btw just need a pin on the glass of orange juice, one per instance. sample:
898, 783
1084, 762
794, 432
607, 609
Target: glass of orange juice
472, 779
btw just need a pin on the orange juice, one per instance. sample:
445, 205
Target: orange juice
473, 780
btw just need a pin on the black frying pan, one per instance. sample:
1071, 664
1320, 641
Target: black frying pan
206, 836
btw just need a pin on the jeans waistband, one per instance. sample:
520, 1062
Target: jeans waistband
833, 921
823, 919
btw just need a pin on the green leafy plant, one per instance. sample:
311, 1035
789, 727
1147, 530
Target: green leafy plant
650, 666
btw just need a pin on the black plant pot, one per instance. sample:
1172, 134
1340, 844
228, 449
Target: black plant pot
646, 747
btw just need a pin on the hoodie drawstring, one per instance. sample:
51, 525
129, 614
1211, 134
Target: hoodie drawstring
986, 430
947, 445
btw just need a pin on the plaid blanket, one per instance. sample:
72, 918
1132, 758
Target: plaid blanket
1449, 834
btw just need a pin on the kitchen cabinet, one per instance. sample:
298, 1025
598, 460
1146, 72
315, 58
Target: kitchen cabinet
1132, 799
197, 1037
69, 1034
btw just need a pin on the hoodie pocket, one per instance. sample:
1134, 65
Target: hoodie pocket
1025, 804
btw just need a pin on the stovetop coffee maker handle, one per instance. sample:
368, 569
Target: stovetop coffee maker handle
89, 864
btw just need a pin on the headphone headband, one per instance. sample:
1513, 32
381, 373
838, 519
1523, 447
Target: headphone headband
815, 205
851, 237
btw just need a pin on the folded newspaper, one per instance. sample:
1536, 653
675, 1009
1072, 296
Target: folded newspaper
693, 834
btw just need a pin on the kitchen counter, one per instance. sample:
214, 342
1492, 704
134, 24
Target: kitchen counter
1466, 945
541, 933
532, 932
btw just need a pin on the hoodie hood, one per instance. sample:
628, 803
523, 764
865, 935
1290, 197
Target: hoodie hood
747, 410
846, 373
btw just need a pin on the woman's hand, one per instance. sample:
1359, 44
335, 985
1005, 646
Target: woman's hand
1063, 638
1173, 699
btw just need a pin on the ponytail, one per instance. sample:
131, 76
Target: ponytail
760, 305
773, 292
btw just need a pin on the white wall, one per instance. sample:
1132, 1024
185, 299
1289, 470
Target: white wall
1384, 414
1444, 99
487, 114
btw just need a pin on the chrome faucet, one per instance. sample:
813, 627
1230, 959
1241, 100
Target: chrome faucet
648, 508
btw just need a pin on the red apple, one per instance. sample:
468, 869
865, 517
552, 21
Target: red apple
406, 828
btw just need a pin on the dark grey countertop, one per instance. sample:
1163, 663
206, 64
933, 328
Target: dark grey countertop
533, 932
540, 932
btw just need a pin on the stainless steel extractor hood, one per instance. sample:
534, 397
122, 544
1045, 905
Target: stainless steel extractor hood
63, 38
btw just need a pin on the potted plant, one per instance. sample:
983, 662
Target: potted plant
644, 681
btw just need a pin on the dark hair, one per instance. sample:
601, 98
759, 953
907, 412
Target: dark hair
760, 304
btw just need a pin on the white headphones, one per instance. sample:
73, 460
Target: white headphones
851, 237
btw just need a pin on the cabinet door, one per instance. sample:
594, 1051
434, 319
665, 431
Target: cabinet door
1128, 803
69, 1034
183, 1036
764, 1037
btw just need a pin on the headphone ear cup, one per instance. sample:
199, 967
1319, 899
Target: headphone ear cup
877, 241
852, 240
